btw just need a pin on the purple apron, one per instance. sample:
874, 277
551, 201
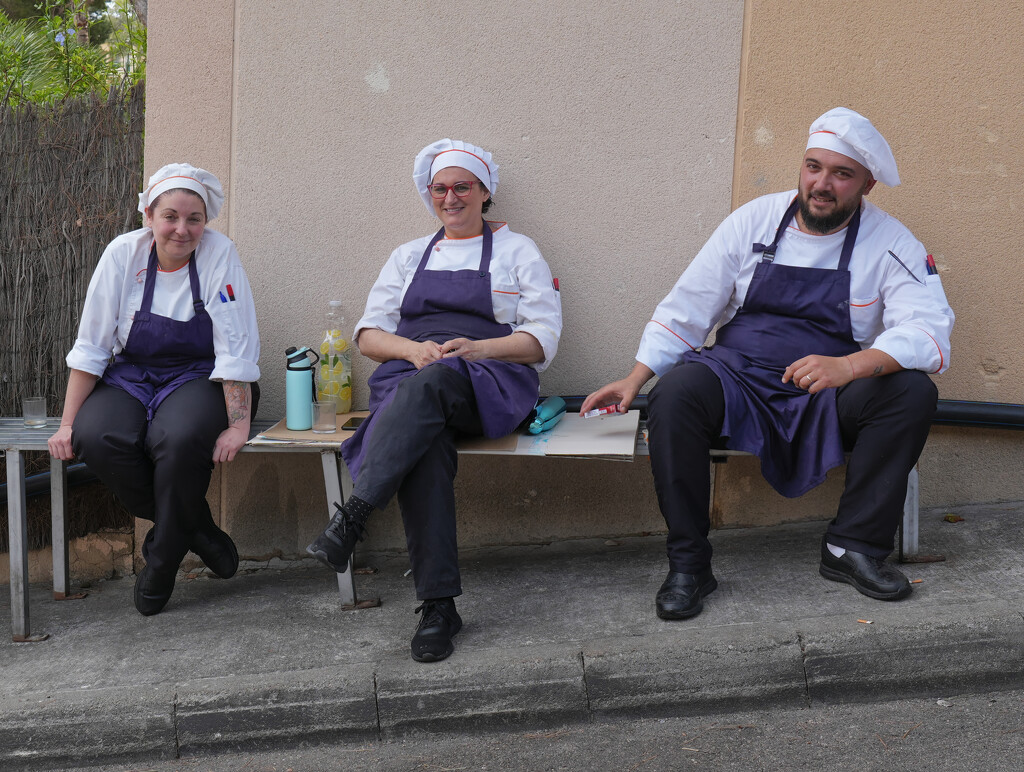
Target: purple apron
788, 313
162, 353
439, 306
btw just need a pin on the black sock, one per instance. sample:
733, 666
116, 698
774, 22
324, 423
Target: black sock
358, 509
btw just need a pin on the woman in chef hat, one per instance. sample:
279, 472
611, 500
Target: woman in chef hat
462, 322
163, 373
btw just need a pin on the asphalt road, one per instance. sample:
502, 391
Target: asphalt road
942, 732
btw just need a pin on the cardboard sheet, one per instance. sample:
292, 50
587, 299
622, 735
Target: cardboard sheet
282, 433
602, 436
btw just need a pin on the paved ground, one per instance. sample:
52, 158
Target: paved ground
555, 635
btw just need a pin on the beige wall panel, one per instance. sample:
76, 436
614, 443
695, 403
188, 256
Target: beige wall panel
189, 65
970, 466
942, 82
613, 127
742, 498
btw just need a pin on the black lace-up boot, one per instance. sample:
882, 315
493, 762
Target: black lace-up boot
334, 546
438, 625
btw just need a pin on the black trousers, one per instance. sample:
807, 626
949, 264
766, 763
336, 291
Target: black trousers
884, 423
159, 470
412, 453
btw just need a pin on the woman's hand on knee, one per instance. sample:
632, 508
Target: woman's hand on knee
228, 444
60, 444
422, 354
470, 350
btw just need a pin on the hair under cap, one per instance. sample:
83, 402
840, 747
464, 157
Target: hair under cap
847, 132
175, 176
447, 152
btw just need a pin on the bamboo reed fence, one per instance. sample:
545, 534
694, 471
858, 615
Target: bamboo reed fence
69, 180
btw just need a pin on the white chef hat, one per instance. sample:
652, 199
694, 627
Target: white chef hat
447, 152
847, 132
189, 177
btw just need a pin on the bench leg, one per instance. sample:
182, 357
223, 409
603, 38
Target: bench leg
17, 533
910, 550
59, 531
338, 484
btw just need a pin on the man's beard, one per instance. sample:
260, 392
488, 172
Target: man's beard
825, 223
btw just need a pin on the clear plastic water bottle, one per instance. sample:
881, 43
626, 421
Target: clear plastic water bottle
335, 361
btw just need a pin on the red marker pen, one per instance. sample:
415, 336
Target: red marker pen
231, 293
598, 411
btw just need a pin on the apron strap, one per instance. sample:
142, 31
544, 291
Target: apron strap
485, 250
768, 251
426, 252
193, 280
151, 269
848, 242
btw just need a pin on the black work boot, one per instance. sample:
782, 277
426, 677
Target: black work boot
216, 549
152, 591
438, 625
335, 545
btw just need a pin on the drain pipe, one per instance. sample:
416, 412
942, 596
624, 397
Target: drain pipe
38, 484
950, 412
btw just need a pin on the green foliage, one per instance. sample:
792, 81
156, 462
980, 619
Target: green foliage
42, 62
20, 9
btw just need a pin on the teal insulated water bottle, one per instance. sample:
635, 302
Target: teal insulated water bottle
298, 388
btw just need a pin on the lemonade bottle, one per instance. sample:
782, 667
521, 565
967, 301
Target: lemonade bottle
335, 362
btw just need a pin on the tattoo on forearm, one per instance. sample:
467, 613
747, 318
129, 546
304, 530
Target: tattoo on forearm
878, 370
237, 394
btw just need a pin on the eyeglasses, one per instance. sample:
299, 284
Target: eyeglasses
460, 189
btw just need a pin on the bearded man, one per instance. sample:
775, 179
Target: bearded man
832, 317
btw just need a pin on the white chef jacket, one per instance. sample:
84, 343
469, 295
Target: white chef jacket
890, 310
522, 290
115, 294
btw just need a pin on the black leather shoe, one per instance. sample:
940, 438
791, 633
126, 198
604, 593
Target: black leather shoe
216, 550
682, 595
438, 625
152, 591
870, 576
335, 545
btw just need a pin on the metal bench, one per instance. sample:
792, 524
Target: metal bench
16, 438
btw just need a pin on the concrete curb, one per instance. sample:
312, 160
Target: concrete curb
977, 652
689, 672
52, 730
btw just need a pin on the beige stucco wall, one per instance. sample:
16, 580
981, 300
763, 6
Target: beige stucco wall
624, 135
614, 128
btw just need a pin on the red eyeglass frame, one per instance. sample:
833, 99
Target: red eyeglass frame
471, 183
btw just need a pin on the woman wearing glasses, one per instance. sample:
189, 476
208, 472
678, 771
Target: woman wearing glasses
461, 322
